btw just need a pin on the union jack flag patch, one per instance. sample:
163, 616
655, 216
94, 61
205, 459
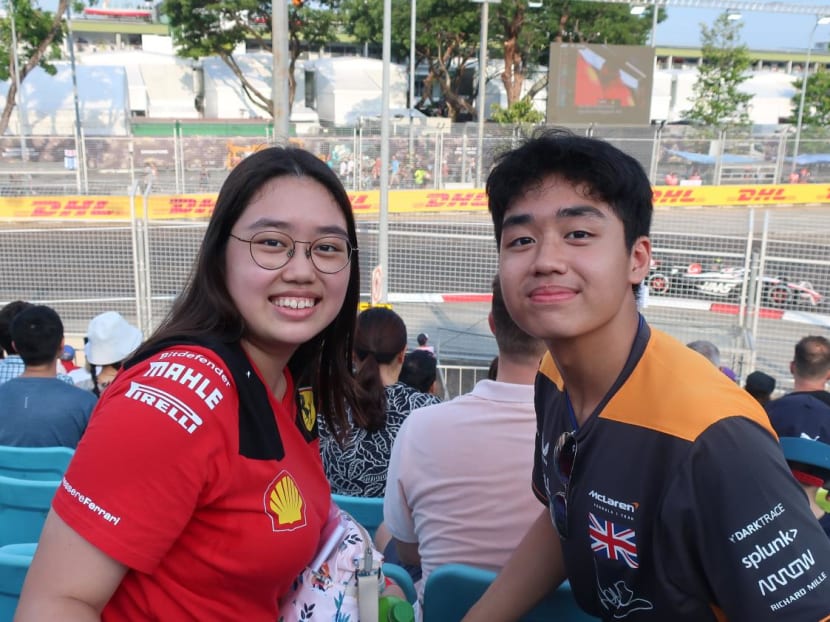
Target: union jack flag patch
612, 542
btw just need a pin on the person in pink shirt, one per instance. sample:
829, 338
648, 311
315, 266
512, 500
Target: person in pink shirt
450, 501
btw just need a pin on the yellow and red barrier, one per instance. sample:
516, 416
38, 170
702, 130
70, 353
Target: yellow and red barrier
199, 206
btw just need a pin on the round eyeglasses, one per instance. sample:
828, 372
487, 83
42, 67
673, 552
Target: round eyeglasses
272, 250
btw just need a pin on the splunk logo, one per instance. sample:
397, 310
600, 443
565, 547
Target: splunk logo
783, 576
782, 541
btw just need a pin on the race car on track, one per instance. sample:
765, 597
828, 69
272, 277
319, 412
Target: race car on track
726, 283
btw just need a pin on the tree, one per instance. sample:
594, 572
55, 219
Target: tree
521, 111
816, 100
446, 41
202, 29
448, 32
39, 34
718, 100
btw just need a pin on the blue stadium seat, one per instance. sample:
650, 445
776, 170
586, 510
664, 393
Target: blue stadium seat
452, 589
368, 511
13, 569
400, 576
44, 463
23, 508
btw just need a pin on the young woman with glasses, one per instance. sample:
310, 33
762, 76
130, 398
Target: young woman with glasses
198, 491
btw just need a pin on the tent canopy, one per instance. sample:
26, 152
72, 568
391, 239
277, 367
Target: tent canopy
726, 158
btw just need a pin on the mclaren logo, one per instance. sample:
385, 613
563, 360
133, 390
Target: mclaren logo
307, 409
284, 504
614, 503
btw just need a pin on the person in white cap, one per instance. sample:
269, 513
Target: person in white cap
110, 340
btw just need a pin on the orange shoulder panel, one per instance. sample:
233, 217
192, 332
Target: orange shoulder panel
675, 391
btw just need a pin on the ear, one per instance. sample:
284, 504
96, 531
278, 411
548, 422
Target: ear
640, 260
792, 368
491, 322
402, 355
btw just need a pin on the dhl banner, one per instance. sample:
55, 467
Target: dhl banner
199, 206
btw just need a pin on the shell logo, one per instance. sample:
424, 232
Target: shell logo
307, 409
284, 504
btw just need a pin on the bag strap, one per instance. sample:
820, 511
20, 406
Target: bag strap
368, 578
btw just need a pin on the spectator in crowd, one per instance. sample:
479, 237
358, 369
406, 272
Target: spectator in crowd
110, 340
12, 365
66, 360
804, 433
810, 369
357, 465
443, 502
671, 179
423, 343
420, 371
37, 409
652, 466
711, 352
202, 457
493, 370
760, 386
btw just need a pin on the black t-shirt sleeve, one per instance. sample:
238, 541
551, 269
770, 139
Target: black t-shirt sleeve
736, 530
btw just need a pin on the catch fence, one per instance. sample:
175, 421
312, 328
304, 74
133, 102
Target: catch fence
422, 156
752, 280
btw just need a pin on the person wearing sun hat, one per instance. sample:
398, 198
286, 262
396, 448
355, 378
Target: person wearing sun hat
109, 340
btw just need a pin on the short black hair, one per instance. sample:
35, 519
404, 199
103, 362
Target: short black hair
37, 332
601, 170
7, 314
419, 370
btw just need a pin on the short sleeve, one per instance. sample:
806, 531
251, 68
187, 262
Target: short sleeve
156, 448
736, 530
397, 515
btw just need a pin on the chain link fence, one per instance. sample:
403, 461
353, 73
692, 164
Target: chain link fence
753, 281
423, 156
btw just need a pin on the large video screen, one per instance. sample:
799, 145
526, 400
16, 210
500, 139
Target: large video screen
600, 83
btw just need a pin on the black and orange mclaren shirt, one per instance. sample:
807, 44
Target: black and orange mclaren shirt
680, 506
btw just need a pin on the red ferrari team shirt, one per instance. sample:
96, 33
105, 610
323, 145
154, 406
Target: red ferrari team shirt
158, 483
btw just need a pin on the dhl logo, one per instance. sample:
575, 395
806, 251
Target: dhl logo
761, 194
186, 206
687, 196
447, 200
72, 208
361, 201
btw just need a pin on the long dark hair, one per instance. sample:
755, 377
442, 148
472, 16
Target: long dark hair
379, 338
206, 309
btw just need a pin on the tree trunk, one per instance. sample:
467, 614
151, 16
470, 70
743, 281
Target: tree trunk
514, 71
258, 99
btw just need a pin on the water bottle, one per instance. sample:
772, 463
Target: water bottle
394, 609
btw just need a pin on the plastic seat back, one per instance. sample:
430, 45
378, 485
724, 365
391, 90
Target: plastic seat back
23, 508
43, 463
400, 576
452, 589
368, 511
13, 569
